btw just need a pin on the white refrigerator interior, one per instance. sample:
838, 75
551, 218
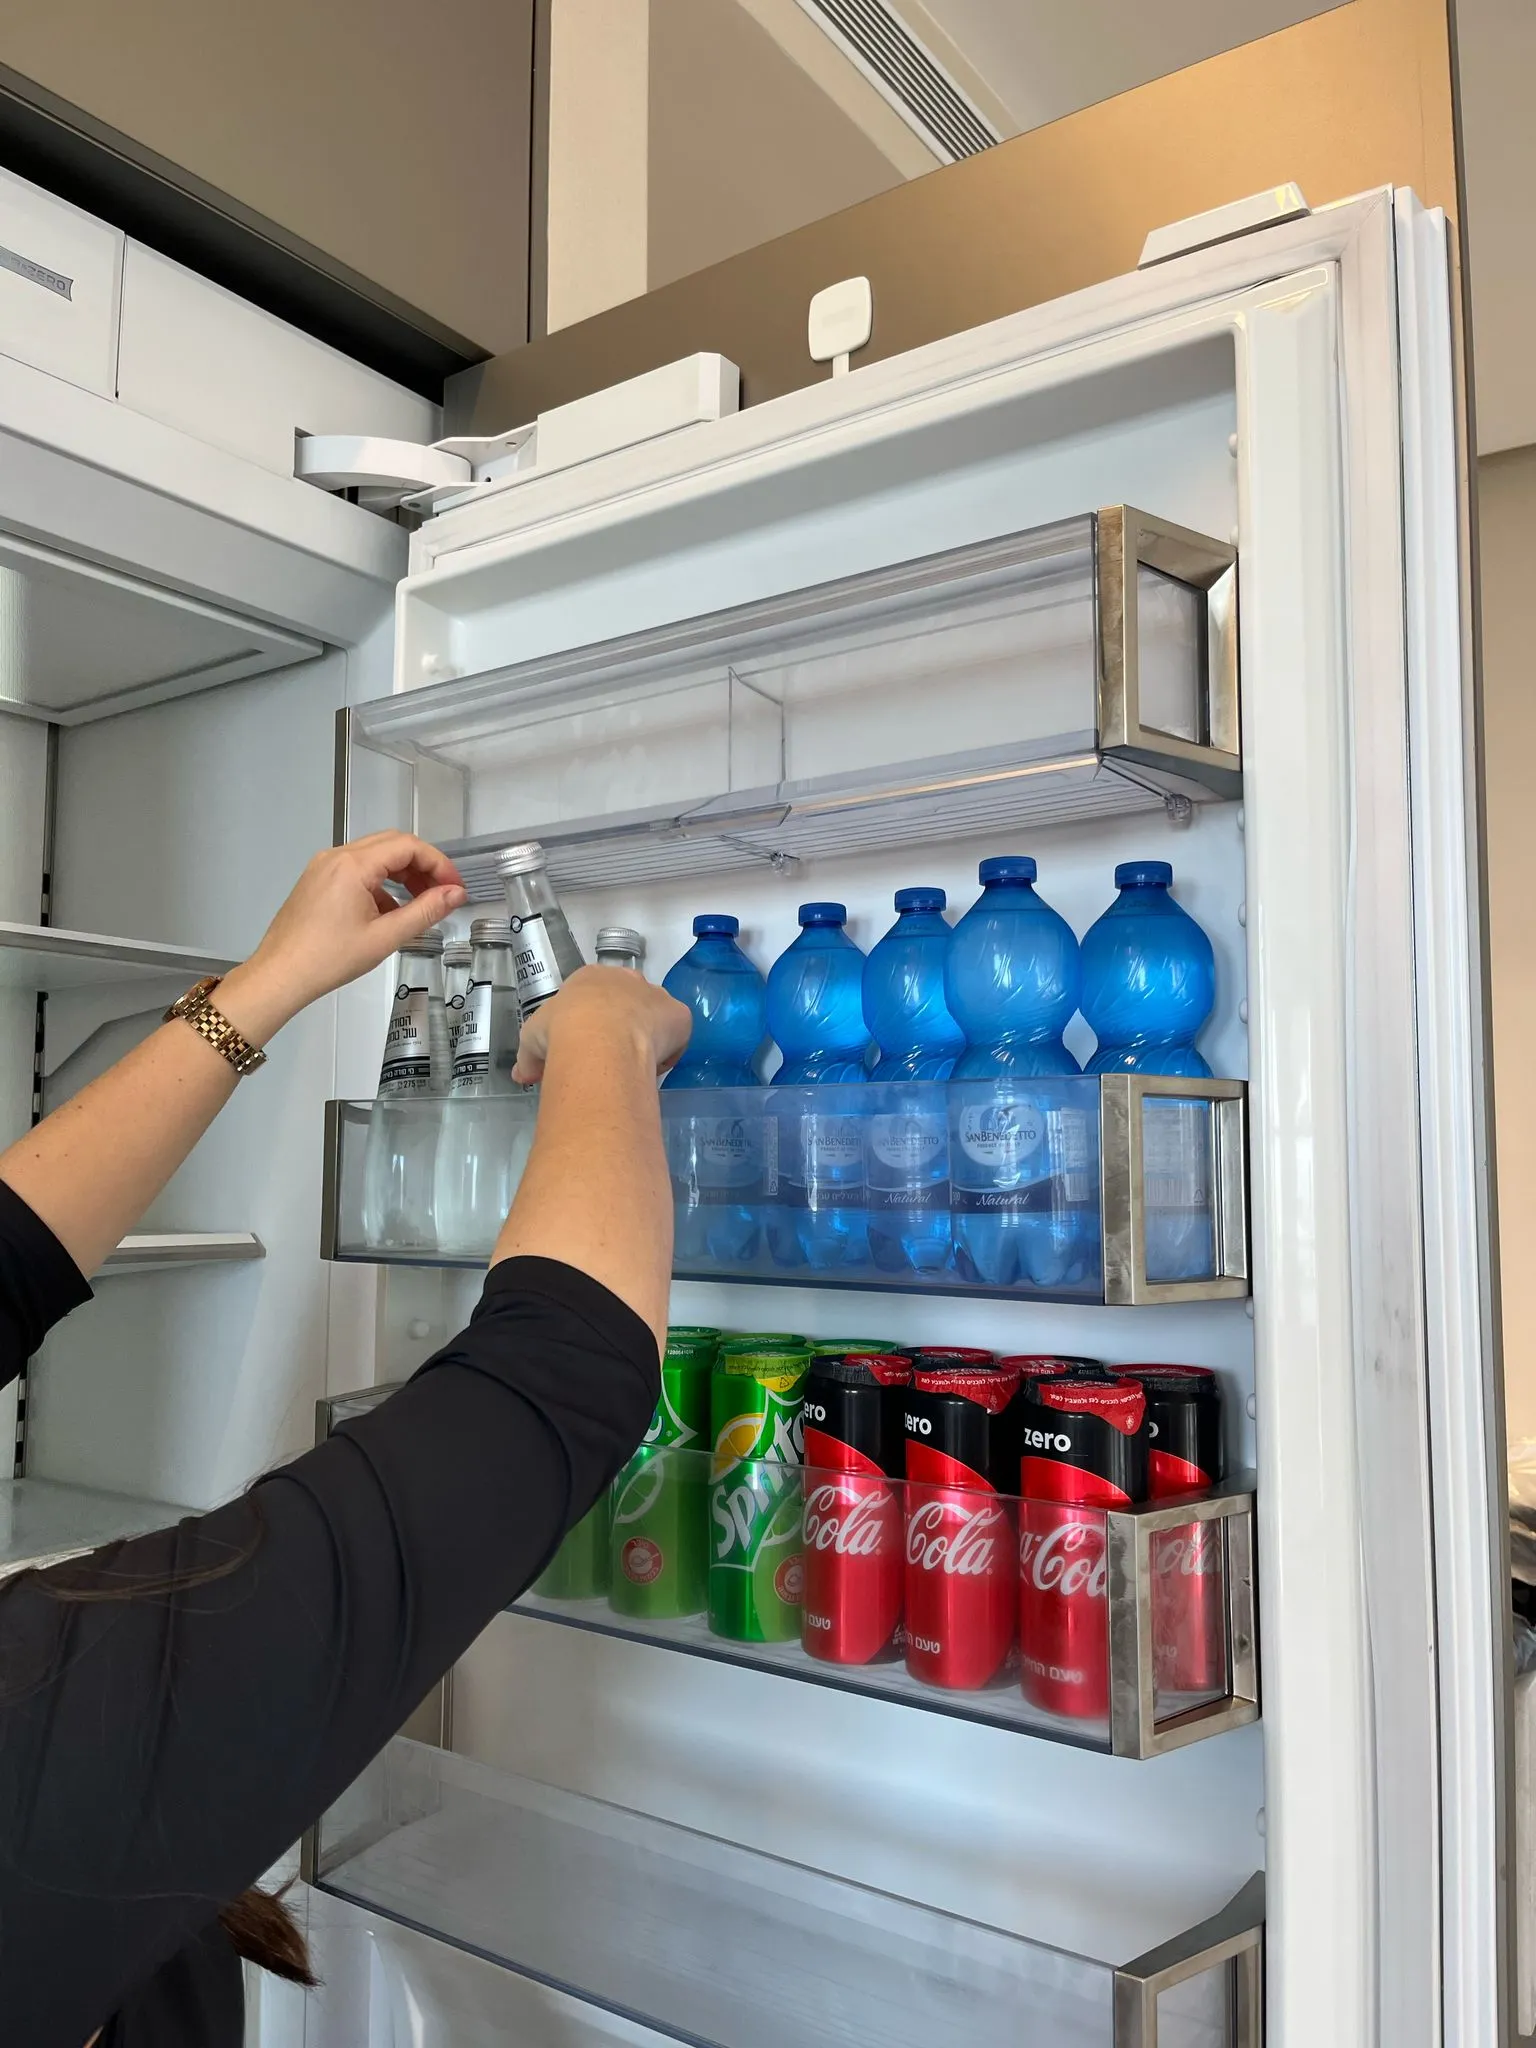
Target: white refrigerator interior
1289, 394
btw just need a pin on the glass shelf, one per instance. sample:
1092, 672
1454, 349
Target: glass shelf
44, 958
1129, 1631
43, 1522
1085, 669
1122, 1188
725, 1947
156, 1251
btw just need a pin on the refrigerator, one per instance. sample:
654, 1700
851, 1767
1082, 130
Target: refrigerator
1175, 567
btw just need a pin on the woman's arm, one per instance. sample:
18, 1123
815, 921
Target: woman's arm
595, 1190
165, 1740
92, 1168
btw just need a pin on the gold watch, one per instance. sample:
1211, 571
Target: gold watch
197, 1010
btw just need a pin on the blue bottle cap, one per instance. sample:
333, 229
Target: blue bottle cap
920, 899
715, 924
823, 913
1143, 874
1007, 867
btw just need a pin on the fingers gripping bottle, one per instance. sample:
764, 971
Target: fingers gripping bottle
1021, 1199
907, 1149
814, 1174
1149, 985
716, 1155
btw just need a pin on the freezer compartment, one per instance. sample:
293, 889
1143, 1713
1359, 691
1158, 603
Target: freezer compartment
1119, 1188
725, 1947
1130, 1631
1076, 670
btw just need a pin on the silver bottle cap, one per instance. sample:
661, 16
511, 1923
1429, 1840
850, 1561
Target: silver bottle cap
526, 859
490, 931
457, 953
429, 946
620, 938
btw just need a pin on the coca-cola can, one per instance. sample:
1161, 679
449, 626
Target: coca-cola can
960, 1572
926, 1357
1083, 1449
1189, 1605
855, 1451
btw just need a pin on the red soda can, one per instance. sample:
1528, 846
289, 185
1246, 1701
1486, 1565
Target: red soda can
1083, 1449
1189, 1620
960, 1571
964, 1357
855, 1450
1042, 1366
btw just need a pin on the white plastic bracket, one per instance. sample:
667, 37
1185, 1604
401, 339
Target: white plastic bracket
842, 318
1224, 223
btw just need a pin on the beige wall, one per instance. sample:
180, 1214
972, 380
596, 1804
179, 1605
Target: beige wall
392, 135
744, 145
1507, 517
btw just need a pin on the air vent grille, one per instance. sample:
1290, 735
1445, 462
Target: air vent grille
885, 49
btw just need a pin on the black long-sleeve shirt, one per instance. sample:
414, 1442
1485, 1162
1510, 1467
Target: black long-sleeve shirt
160, 1750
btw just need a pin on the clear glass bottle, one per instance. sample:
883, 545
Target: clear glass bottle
488, 1123
544, 952
400, 1169
620, 945
457, 954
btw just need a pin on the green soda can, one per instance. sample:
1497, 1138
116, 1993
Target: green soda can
763, 1340
659, 1539
839, 1347
756, 1567
579, 1568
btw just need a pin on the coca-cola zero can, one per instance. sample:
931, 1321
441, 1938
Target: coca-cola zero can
1083, 1449
1189, 1607
960, 1573
854, 1455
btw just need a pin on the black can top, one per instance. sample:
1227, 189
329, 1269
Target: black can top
1083, 1441
1183, 1426
959, 1427
862, 1369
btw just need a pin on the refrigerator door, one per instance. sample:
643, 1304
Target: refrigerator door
1320, 352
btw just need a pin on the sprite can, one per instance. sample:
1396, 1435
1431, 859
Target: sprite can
840, 1347
763, 1340
756, 1567
659, 1536
579, 1568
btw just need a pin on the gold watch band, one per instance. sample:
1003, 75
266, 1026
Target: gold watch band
196, 1009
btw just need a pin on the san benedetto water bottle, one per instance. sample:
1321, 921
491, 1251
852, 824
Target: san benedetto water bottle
399, 1168
918, 1041
1018, 1148
1149, 984
544, 953
485, 1142
814, 1183
716, 1158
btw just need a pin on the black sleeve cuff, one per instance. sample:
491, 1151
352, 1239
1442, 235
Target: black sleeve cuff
611, 1320
39, 1283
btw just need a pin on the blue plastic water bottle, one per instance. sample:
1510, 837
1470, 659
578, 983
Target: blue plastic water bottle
1017, 1152
1149, 984
907, 1152
717, 1160
815, 1211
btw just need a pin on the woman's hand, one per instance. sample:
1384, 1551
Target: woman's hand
604, 1008
338, 923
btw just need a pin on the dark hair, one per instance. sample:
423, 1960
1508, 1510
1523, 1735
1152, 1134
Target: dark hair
260, 1928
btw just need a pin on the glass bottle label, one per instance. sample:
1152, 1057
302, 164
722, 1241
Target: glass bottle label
533, 959
472, 1042
407, 1068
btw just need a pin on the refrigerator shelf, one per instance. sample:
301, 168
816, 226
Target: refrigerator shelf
43, 1522
1084, 669
1121, 1189
722, 1946
44, 958
158, 1251
1164, 1654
